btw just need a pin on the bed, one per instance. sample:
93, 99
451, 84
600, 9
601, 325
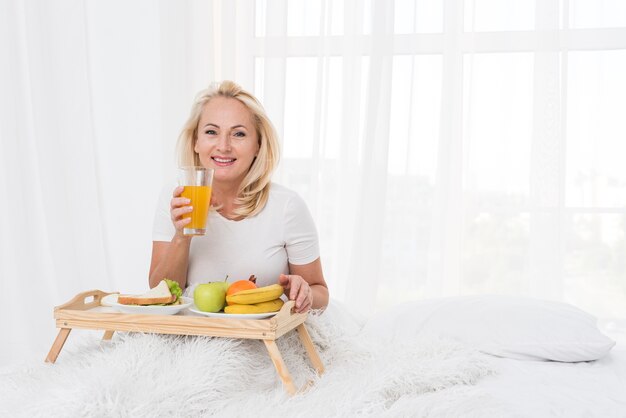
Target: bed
553, 389
477, 356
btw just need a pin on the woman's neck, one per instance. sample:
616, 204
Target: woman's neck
224, 198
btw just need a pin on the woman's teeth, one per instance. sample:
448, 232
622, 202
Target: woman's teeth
223, 160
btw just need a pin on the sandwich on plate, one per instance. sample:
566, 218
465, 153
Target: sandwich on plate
166, 293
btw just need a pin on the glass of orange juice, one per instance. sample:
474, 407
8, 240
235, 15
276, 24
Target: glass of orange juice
197, 182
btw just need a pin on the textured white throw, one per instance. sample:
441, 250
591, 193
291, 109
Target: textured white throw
144, 375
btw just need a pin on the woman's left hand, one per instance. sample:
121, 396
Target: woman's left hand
296, 288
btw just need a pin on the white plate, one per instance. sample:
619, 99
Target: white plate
111, 300
195, 309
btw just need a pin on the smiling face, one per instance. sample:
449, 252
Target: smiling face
227, 140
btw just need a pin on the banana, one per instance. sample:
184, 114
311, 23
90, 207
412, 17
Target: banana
252, 296
263, 307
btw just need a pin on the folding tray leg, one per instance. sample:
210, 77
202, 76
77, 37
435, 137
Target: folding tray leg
108, 334
316, 361
281, 368
57, 346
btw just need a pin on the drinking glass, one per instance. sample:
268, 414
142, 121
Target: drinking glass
197, 182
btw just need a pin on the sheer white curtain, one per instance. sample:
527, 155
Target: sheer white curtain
456, 147
445, 147
93, 96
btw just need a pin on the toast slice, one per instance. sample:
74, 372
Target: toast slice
158, 294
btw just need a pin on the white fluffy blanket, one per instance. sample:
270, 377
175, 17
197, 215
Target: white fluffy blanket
144, 375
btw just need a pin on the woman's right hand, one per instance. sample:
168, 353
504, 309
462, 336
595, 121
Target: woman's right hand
179, 206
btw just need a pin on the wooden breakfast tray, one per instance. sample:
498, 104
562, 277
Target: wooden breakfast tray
85, 311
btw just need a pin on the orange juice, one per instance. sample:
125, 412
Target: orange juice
200, 197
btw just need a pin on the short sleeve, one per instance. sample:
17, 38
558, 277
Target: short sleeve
301, 241
162, 228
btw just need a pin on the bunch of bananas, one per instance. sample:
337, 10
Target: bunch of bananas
251, 301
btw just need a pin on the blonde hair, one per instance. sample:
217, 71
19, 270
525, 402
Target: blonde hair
254, 189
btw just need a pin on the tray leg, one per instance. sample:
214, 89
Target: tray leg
281, 368
108, 334
316, 361
58, 345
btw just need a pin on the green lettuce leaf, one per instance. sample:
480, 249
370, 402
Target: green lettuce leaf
174, 288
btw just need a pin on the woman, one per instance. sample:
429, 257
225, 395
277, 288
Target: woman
258, 227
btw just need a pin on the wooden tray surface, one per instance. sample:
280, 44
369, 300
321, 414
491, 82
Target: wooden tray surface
85, 311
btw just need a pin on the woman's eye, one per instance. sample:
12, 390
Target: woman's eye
210, 132
240, 134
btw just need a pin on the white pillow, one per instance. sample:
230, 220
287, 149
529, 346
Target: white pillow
506, 326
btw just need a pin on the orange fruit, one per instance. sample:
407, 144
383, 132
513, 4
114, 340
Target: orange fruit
240, 285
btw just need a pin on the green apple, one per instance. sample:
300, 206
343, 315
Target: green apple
210, 297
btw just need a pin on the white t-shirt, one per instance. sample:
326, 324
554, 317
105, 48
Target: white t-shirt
263, 245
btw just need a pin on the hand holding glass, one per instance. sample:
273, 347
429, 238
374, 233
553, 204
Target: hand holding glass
197, 182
